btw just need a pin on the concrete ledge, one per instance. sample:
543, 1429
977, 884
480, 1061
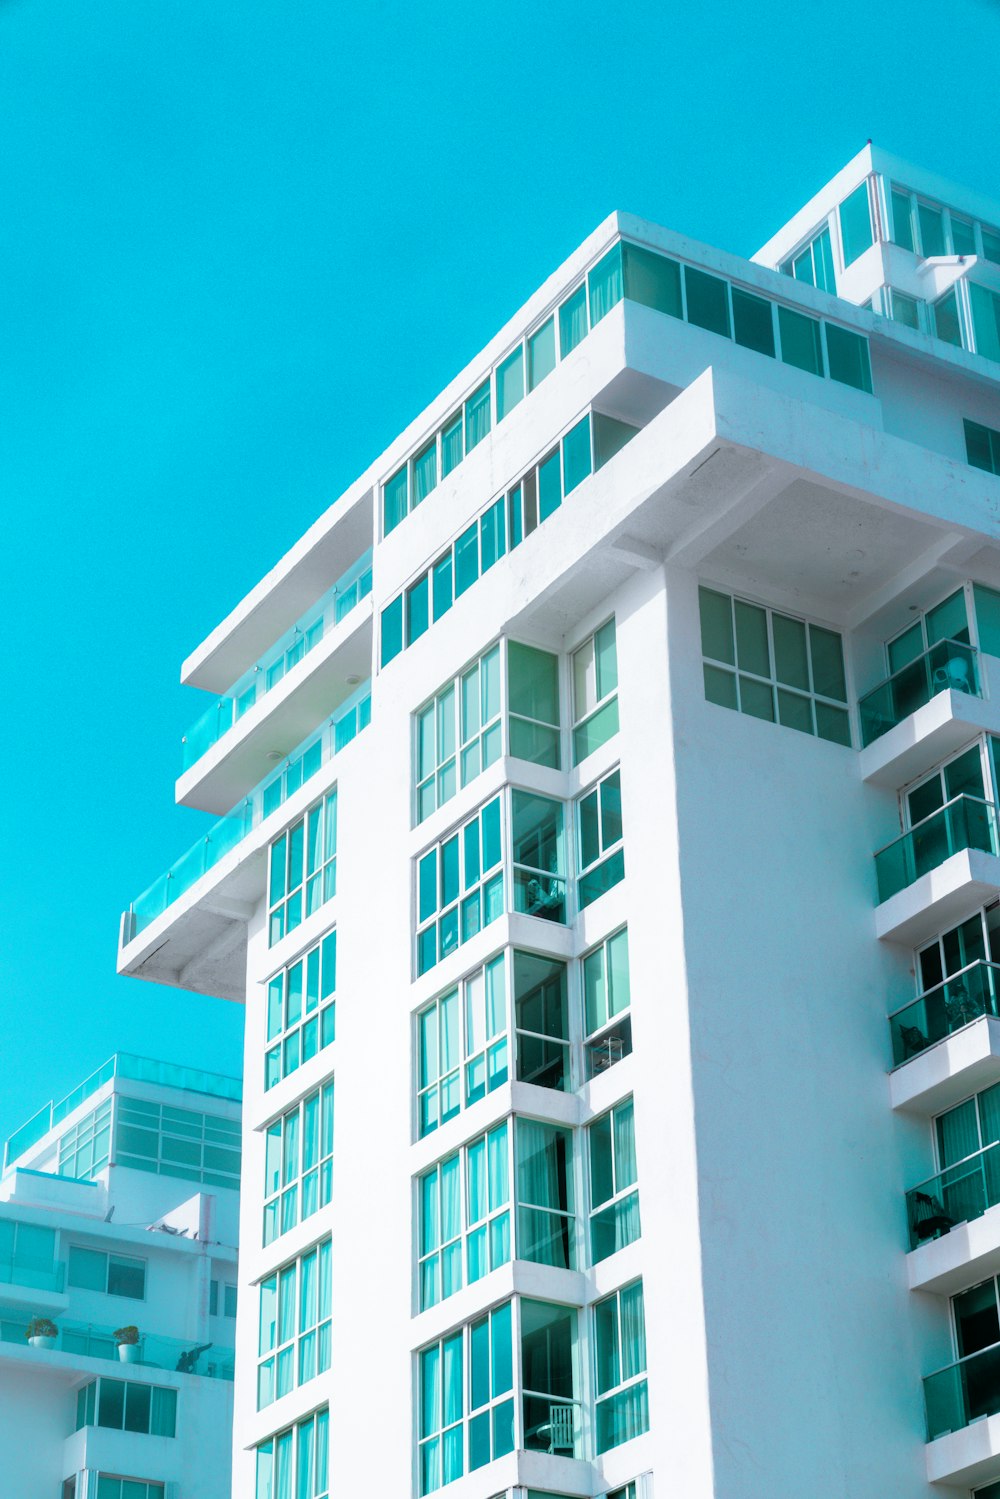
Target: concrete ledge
926, 737
959, 1259
950, 1070
939, 898
969, 1456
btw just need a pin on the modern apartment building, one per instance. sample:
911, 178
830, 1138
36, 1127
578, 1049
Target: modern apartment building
608, 861
119, 1210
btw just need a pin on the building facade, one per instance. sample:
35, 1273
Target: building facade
119, 1212
595, 778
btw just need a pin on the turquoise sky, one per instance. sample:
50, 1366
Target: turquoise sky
241, 245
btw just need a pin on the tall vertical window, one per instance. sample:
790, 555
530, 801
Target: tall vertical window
541, 347
458, 733
466, 1399
947, 319
545, 1211
573, 321
614, 1195
533, 704
541, 1018
459, 886
462, 1051
298, 1163
294, 1335
602, 856
300, 1010
549, 1378
856, 224
539, 851
620, 1367
295, 1462
607, 997
773, 666
595, 692
464, 1205
510, 382
302, 868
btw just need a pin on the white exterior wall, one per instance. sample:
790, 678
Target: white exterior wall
785, 1348
117, 1212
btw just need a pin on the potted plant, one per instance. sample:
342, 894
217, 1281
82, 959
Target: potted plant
127, 1339
42, 1332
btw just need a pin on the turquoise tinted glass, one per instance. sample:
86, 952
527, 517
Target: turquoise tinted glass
931, 221
392, 630
541, 353
753, 322
394, 501
855, 224
573, 324
985, 320
605, 282
576, 455
549, 486
902, 229
652, 280
510, 383
477, 416
848, 356
946, 320
707, 301
800, 341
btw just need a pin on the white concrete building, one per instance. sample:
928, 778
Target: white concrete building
119, 1212
581, 1157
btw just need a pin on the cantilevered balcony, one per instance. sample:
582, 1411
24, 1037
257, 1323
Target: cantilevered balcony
946, 1042
87, 1340
923, 712
954, 1225
963, 1426
938, 870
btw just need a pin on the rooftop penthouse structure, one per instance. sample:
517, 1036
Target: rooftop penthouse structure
607, 859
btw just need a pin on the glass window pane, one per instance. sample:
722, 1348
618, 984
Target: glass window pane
707, 301
424, 472
652, 280
902, 230
800, 341
791, 661
510, 382
549, 486
477, 416
605, 282
416, 610
848, 356
827, 651
394, 502
466, 560
753, 653
946, 319
931, 222
573, 323
855, 224
541, 353
753, 322
576, 455
985, 320
452, 446
392, 630
716, 611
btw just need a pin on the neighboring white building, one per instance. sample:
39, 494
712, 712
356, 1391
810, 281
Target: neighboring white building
119, 1208
552, 761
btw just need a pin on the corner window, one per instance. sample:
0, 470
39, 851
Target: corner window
620, 1367
856, 224
602, 857
294, 1325
298, 1163
296, 1460
595, 692
605, 284
466, 1405
301, 1010
462, 1051
607, 997
773, 666
614, 1195
539, 856
302, 869
541, 1019
459, 886
464, 1215
546, 1232
533, 704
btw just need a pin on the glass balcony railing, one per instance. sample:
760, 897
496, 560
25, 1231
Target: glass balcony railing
964, 822
956, 1195
84, 1338
347, 723
335, 605
51, 1277
963, 1392
948, 664
947, 1007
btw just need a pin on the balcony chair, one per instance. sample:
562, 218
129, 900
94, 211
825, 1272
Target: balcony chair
913, 1040
930, 1220
560, 1429
954, 673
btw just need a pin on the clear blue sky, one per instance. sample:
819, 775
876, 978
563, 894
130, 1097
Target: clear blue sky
241, 245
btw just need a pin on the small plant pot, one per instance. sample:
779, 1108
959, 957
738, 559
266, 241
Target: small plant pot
41, 1341
128, 1353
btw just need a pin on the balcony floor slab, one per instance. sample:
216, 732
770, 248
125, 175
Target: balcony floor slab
969, 1456
966, 1255
939, 898
950, 1070
926, 737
